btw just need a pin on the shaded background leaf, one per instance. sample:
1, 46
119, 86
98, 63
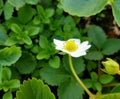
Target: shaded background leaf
26, 64
97, 36
111, 46
70, 89
95, 55
53, 76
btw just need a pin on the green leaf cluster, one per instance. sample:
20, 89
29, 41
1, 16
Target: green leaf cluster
80, 7
101, 44
27, 30
7, 84
63, 78
11, 4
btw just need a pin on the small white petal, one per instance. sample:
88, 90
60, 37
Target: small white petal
84, 46
59, 44
78, 54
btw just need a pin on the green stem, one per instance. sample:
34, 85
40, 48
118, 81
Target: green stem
1, 73
111, 85
79, 80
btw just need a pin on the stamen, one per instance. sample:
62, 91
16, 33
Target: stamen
70, 46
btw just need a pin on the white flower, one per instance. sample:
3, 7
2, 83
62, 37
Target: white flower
72, 46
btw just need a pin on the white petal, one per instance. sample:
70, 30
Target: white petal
78, 54
77, 41
59, 44
84, 46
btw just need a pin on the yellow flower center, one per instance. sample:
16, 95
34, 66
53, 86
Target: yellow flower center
70, 46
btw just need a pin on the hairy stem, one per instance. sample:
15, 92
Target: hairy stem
79, 80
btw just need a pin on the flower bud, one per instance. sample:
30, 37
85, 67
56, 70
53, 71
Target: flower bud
111, 66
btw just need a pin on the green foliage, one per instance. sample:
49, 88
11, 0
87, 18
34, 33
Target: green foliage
53, 76
3, 35
111, 46
26, 64
101, 44
6, 73
70, 89
34, 89
78, 64
27, 30
8, 95
111, 96
43, 55
18, 36
17, 3
95, 83
63, 78
116, 10
8, 13
6, 85
55, 62
79, 7
20, 3
43, 42
1, 6
44, 14
25, 14
115, 89
9, 55
94, 55
104, 79
97, 36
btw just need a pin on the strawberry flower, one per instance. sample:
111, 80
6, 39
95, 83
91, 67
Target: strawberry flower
73, 47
